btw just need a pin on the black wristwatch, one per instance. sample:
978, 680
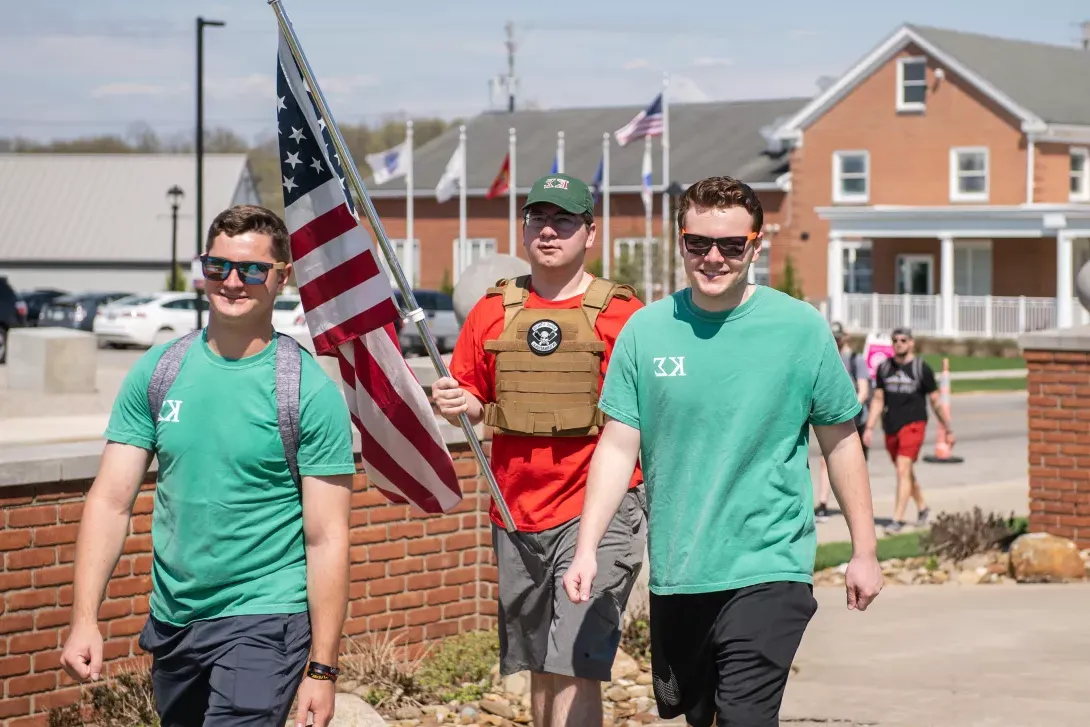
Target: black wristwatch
323, 672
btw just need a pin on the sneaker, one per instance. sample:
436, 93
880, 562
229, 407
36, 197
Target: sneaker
895, 527
821, 513
921, 520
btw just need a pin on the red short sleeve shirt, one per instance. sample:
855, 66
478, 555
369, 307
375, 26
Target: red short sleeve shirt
542, 479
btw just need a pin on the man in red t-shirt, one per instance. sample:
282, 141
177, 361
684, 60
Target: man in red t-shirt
551, 333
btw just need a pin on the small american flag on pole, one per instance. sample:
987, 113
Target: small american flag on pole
349, 307
646, 123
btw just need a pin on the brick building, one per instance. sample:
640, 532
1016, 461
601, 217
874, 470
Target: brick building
943, 181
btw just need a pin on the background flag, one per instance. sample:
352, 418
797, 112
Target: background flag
349, 308
646, 123
389, 164
500, 185
451, 181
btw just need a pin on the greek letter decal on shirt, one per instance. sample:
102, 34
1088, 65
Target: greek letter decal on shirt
173, 408
669, 366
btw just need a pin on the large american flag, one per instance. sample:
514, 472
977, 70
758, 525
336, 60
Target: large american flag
646, 123
349, 307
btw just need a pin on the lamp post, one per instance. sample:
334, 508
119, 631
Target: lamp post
175, 195
673, 191
201, 23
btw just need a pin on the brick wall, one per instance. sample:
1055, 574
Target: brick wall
1059, 443
424, 577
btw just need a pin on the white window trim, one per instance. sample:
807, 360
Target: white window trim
852, 247
838, 194
916, 257
902, 105
1083, 196
956, 195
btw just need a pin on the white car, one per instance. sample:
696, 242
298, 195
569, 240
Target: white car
147, 320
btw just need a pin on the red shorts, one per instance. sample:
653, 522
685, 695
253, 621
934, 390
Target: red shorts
907, 442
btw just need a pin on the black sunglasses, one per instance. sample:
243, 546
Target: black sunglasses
250, 272
729, 247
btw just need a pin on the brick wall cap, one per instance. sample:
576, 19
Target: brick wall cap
1061, 339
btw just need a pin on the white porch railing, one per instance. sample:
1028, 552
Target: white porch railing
975, 316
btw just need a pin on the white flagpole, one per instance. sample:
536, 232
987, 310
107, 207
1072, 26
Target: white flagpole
512, 190
667, 228
560, 152
463, 252
607, 243
648, 295
410, 239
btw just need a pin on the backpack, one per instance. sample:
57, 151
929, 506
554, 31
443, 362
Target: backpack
885, 370
288, 368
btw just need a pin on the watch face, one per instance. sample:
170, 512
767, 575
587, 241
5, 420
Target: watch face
544, 337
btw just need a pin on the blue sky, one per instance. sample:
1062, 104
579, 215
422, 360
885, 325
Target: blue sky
89, 67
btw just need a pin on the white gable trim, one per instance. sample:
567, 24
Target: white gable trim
791, 130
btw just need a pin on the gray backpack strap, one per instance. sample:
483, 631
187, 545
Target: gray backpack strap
288, 370
166, 370
917, 369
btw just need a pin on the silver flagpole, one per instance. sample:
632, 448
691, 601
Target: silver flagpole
667, 242
607, 243
410, 239
414, 314
648, 277
465, 258
560, 152
512, 190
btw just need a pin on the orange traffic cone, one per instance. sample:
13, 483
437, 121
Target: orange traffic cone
943, 449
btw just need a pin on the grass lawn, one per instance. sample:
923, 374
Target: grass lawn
973, 363
905, 545
1016, 384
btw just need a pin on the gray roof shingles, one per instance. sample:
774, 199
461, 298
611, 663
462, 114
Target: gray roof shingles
706, 139
1051, 81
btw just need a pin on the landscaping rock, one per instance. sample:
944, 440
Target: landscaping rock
1040, 557
498, 708
351, 711
624, 667
517, 684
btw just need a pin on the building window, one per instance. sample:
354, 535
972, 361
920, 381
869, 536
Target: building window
627, 266
858, 267
408, 256
1080, 176
969, 175
911, 84
474, 249
972, 268
851, 176
914, 275
760, 272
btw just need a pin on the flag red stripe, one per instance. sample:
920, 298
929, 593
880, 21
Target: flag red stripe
403, 417
333, 282
321, 230
379, 458
377, 316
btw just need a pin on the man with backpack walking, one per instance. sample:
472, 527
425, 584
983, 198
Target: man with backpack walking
902, 387
250, 522
857, 369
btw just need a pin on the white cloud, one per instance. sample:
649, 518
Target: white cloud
636, 64
712, 61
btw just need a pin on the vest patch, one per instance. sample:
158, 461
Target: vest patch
543, 337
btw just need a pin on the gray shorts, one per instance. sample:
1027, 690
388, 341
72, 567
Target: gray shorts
540, 628
237, 670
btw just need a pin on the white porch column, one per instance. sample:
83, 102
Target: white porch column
1065, 277
946, 286
835, 277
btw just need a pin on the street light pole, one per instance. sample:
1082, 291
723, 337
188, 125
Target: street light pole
201, 23
175, 194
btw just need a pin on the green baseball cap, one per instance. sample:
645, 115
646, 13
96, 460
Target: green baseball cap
566, 192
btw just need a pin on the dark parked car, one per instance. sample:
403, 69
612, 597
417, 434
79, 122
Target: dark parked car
76, 310
10, 317
33, 300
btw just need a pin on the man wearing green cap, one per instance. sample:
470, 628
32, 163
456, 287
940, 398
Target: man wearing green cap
529, 362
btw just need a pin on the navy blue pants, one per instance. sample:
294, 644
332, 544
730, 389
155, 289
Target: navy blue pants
237, 670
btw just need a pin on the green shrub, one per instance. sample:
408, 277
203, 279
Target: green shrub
636, 637
461, 666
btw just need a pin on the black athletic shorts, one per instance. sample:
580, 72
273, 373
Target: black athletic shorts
727, 654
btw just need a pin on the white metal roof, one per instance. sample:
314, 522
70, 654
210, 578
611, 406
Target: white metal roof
110, 207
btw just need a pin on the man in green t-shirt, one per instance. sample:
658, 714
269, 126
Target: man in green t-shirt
714, 389
250, 565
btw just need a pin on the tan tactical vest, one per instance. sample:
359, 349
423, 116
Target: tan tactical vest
548, 362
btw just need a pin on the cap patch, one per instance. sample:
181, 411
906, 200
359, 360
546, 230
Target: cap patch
555, 183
